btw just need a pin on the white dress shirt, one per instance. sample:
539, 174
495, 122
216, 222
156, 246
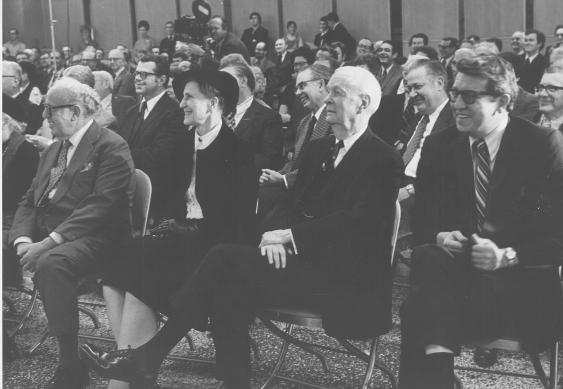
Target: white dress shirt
105, 104
410, 169
242, 108
493, 140
151, 103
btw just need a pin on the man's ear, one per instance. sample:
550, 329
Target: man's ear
504, 101
365, 102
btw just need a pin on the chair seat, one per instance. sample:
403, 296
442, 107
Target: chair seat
301, 316
506, 344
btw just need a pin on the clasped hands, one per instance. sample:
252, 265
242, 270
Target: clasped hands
30, 252
276, 245
269, 176
485, 254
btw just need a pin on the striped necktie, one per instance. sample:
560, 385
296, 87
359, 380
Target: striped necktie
482, 176
416, 139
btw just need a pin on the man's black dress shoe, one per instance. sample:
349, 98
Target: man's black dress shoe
118, 365
485, 358
69, 378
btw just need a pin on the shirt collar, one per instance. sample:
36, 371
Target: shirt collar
242, 107
531, 58
152, 102
349, 142
319, 111
201, 142
119, 71
78, 135
434, 115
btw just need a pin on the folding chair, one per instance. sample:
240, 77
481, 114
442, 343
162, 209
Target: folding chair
139, 216
313, 319
514, 345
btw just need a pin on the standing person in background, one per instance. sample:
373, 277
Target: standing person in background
144, 42
124, 82
558, 34
323, 38
340, 34
168, 44
292, 37
534, 62
86, 39
13, 46
255, 33
224, 42
517, 42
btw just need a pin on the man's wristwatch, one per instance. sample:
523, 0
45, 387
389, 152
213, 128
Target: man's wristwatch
510, 257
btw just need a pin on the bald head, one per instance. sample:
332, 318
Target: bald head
80, 73
104, 83
11, 78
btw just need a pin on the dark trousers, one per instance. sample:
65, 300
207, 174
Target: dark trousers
450, 303
57, 275
230, 284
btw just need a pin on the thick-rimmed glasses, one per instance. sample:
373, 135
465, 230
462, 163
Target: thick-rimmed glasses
143, 75
303, 84
48, 110
468, 96
548, 88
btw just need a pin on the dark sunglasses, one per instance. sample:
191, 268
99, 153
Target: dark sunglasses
468, 96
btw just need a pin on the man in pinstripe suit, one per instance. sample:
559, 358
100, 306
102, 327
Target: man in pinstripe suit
311, 91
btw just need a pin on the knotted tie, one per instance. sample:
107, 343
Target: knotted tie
482, 175
335, 151
57, 171
416, 139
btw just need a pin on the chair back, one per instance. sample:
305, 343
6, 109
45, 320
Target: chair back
141, 203
395, 231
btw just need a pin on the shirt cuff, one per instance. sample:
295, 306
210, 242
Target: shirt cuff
56, 237
293, 242
286, 187
22, 239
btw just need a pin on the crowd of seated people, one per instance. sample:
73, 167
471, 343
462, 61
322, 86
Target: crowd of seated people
275, 166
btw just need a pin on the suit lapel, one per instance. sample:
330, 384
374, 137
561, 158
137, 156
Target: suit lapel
506, 157
245, 121
154, 114
48, 164
79, 159
444, 120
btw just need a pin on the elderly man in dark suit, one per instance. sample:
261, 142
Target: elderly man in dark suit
225, 42
74, 215
154, 131
489, 218
255, 122
124, 82
311, 91
334, 238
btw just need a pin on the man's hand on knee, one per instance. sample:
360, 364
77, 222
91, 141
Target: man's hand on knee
34, 251
22, 248
277, 254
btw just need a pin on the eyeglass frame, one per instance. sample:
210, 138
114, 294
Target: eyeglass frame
143, 75
303, 84
554, 88
48, 109
469, 96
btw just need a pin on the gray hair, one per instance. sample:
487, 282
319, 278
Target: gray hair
75, 92
319, 71
104, 76
13, 66
360, 81
80, 73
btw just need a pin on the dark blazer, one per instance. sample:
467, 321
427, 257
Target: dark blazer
158, 147
120, 105
322, 128
231, 44
261, 127
531, 74
390, 83
526, 105
22, 110
226, 189
348, 237
341, 34
251, 37
124, 84
524, 210
168, 45
92, 198
323, 40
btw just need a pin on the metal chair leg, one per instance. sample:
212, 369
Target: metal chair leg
27, 314
539, 369
554, 367
457, 382
91, 314
281, 358
42, 340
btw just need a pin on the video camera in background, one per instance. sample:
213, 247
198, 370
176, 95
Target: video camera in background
194, 27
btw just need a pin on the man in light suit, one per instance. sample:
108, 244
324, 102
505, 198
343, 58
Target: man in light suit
255, 122
390, 74
335, 239
155, 133
311, 90
74, 215
489, 219
124, 82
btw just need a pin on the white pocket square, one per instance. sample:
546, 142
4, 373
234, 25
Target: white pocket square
87, 167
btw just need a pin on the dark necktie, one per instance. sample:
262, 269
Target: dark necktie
57, 171
383, 73
138, 123
482, 175
416, 139
408, 114
336, 149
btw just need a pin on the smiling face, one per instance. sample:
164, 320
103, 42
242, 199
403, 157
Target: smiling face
416, 43
425, 90
196, 107
62, 121
308, 90
551, 102
147, 83
559, 34
323, 26
517, 41
531, 44
445, 48
479, 118
385, 53
280, 46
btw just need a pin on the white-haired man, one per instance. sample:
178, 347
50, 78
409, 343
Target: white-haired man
334, 239
116, 105
74, 215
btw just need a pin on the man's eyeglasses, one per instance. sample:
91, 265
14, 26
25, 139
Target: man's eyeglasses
548, 88
48, 110
303, 84
468, 96
143, 75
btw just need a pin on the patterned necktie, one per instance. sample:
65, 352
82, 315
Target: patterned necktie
416, 139
482, 176
57, 171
